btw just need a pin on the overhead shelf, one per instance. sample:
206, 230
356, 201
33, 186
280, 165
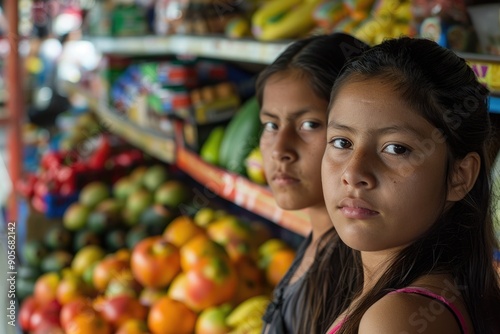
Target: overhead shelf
486, 67
219, 47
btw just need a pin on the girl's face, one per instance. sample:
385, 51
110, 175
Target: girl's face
293, 140
383, 170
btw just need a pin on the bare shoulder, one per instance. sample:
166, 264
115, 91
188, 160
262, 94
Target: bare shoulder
408, 313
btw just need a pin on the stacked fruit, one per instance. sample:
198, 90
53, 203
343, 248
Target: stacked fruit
388, 19
163, 273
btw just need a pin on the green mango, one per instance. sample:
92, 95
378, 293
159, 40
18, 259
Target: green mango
210, 149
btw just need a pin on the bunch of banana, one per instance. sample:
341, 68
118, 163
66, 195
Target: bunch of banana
246, 318
280, 19
391, 18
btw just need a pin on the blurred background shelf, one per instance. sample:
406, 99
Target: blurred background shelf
153, 142
246, 50
486, 67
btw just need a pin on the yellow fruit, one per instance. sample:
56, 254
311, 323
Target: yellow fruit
181, 230
255, 166
250, 308
85, 257
271, 246
278, 265
204, 216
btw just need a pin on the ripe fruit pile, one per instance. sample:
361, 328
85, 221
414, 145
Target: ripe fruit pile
206, 273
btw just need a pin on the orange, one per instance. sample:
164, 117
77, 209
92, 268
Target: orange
279, 264
133, 326
168, 316
181, 230
88, 323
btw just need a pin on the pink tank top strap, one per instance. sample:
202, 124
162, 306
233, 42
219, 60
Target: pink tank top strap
427, 293
424, 292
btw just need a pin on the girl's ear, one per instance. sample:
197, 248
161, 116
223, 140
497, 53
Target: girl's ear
464, 176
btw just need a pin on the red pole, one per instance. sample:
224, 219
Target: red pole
14, 104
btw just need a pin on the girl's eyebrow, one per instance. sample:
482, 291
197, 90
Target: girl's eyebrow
405, 128
292, 115
337, 126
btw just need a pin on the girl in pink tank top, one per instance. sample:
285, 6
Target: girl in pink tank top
406, 184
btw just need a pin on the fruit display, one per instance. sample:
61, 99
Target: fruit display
281, 19
127, 259
85, 152
389, 18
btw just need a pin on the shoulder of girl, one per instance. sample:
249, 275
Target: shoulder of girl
407, 313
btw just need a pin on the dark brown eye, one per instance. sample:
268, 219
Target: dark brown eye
396, 149
341, 143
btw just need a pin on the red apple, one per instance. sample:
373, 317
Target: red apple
119, 309
211, 283
46, 314
155, 262
70, 310
28, 307
106, 269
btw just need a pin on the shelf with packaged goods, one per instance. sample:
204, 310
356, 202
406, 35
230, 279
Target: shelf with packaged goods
486, 67
232, 187
217, 47
153, 142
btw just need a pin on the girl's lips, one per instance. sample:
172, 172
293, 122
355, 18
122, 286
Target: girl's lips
357, 213
356, 209
284, 180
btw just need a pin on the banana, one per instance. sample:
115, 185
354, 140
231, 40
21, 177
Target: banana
297, 21
251, 308
270, 10
253, 324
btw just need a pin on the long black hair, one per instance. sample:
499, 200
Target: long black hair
439, 85
319, 59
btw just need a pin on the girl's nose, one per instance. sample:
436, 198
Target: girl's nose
283, 147
359, 171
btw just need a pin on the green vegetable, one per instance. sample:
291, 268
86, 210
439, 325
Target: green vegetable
241, 136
